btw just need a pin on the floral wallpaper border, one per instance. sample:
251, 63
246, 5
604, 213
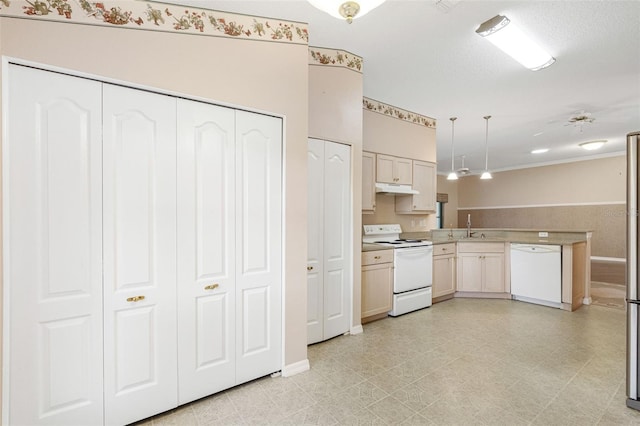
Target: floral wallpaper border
399, 113
152, 16
334, 58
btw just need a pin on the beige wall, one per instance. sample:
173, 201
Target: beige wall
335, 114
584, 182
263, 75
583, 195
449, 187
387, 135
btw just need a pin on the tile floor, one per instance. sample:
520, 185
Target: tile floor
460, 362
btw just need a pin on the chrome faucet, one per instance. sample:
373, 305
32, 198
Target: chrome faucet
469, 233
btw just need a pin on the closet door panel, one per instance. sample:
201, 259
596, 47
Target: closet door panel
206, 247
259, 236
315, 246
53, 249
139, 253
337, 238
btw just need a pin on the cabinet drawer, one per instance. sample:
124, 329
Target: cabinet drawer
378, 256
442, 249
480, 247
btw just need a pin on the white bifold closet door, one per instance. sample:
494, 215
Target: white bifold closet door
229, 244
139, 154
329, 274
52, 250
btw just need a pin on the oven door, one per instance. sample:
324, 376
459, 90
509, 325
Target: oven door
412, 268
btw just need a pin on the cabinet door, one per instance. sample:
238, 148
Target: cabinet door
385, 168
424, 181
493, 271
337, 239
368, 182
444, 274
258, 245
139, 172
377, 289
206, 247
315, 246
403, 171
469, 272
53, 249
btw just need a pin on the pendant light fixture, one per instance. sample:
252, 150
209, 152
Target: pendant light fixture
349, 10
452, 175
486, 174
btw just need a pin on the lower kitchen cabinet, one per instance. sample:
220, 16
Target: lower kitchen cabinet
481, 267
444, 270
377, 283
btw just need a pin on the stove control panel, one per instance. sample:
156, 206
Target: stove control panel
382, 229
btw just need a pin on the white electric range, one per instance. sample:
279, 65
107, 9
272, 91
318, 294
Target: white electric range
412, 262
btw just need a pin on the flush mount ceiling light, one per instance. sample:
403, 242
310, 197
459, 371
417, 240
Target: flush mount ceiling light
540, 151
504, 34
486, 174
591, 145
348, 10
452, 175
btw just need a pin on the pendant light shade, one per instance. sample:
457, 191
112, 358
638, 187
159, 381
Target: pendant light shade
486, 174
452, 175
348, 10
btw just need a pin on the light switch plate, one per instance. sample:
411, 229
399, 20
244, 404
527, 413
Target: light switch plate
543, 234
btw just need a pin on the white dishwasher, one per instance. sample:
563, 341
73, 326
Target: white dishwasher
536, 273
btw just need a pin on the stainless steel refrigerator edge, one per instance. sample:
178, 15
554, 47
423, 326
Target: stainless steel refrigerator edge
633, 397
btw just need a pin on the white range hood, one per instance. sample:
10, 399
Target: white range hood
392, 189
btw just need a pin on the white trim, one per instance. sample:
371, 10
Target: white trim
595, 203
609, 259
356, 329
6, 382
296, 368
551, 163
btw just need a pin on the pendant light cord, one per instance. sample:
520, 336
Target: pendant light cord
453, 119
486, 144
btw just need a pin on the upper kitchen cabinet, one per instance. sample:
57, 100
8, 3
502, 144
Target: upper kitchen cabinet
392, 131
390, 169
368, 182
424, 181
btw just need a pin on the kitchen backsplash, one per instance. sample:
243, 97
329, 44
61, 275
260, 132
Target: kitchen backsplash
385, 213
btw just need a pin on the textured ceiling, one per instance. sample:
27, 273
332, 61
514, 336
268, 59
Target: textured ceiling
426, 60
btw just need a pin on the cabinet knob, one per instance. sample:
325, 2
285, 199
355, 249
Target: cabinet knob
135, 298
376, 257
309, 268
211, 286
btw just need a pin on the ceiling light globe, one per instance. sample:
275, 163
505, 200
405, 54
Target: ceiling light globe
345, 9
452, 176
486, 175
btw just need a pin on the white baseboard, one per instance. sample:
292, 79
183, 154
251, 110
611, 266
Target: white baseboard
295, 368
356, 329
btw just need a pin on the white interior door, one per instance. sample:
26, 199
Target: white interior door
315, 265
259, 245
337, 239
329, 235
52, 249
206, 247
139, 152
